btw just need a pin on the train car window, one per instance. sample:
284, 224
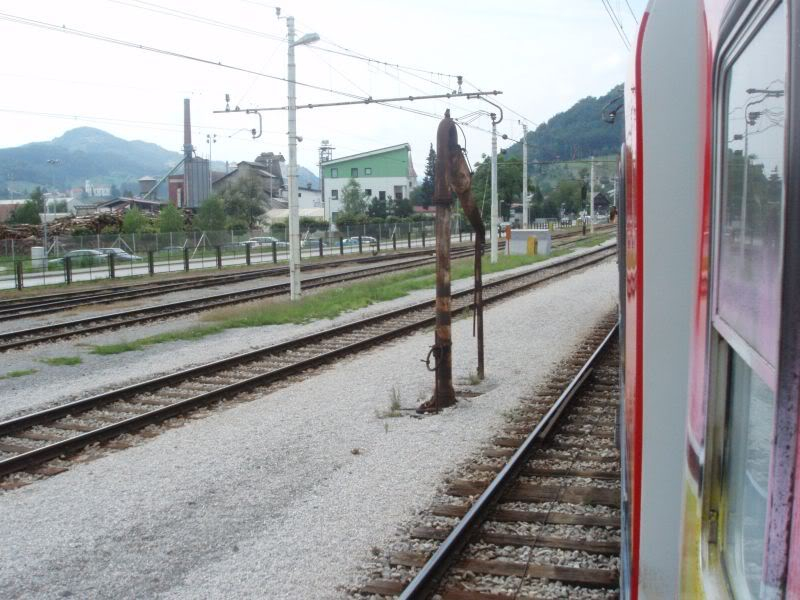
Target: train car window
750, 225
748, 271
751, 406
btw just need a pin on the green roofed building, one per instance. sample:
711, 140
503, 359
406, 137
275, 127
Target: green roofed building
385, 173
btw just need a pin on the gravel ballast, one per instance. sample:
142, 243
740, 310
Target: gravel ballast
54, 385
287, 495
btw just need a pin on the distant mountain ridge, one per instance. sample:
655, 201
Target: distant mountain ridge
89, 153
578, 132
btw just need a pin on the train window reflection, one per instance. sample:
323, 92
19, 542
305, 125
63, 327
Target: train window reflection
750, 230
745, 479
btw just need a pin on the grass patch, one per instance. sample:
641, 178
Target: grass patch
63, 361
394, 406
20, 373
326, 304
193, 333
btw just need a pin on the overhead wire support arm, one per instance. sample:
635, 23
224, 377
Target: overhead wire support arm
371, 100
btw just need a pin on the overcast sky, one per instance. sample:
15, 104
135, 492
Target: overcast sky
542, 54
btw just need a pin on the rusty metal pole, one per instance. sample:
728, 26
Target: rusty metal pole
443, 393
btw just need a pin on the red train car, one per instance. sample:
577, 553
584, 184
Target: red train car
710, 302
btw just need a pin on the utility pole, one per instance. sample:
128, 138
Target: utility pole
525, 220
211, 138
52, 162
294, 209
493, 230
591, 197
325, 154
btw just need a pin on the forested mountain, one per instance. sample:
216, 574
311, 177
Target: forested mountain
578, 132
89, 153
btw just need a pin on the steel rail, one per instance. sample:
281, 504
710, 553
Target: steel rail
10, 307
45, 304
39, 455
173, 309
427, 580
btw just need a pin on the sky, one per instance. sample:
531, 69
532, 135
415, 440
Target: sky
544, 55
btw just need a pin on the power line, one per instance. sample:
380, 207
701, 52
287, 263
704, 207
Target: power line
174, 12
138, 123
134, 45
127, 44
620, 32
632, 13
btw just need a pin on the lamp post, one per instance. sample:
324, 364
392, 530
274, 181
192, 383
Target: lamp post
294, 209
52, 162
750, 118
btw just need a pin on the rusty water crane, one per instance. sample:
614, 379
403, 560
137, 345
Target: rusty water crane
452, 175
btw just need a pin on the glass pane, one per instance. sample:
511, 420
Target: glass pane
746, 477
752, 197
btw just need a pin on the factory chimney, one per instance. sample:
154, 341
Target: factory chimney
187, 130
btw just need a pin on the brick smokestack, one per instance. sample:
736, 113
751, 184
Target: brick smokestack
187, 129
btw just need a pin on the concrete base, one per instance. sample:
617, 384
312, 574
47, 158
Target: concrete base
519, 241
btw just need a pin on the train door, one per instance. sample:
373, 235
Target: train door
746, 482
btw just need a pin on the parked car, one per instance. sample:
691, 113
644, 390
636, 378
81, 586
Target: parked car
366, 240
266, 241
119, 254
81, 258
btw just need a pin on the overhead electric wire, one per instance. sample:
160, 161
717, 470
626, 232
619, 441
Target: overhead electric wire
620, 33
183, 15
134, 45
139, 123
632, 13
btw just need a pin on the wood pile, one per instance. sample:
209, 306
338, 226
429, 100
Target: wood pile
64, 226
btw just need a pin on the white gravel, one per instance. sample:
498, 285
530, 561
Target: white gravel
52, 385
268, 498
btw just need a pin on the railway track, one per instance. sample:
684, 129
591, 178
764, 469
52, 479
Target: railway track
43, 304
31, 440
547, 525
95, 324
51, 303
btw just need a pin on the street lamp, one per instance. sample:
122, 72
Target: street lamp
750, 118
52, 162
294, 210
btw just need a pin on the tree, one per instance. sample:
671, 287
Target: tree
567, 194
353, 201
424, 193
114, 191
244, 203
170, 219
401, 208
509, 184
134, 221
27, 213
211, 214
37, 196
378, 208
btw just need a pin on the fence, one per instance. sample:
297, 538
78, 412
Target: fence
109, 256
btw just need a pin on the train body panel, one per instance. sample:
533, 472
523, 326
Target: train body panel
711, 363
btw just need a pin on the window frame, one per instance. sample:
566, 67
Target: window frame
354, 172
742, 25
367, 171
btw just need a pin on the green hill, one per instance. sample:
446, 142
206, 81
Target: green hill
578, 132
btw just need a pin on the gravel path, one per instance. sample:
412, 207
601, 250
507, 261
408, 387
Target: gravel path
284, 496
53, 385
